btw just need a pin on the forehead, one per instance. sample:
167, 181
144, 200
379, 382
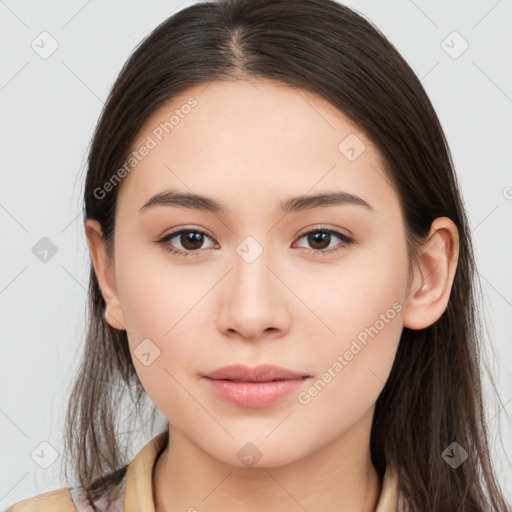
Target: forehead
248, 140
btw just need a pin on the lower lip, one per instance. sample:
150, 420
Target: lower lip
254, 394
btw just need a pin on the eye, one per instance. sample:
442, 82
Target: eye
320, 239
190, 239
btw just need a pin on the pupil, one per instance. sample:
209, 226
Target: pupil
319, 238
191, 240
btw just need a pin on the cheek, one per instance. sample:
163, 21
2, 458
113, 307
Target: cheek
163, 313
159, 313
351, 294
360, 306
154, 293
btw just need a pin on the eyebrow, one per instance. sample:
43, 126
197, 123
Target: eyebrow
295, 204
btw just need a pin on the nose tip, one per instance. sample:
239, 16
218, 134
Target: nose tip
253, 303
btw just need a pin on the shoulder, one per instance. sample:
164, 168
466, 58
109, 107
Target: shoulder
52, 501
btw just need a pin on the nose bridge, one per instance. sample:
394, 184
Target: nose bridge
255, 300
252, 276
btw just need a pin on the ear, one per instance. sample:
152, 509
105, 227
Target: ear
433, 276
105, 274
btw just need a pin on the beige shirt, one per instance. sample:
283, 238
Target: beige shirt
136, 490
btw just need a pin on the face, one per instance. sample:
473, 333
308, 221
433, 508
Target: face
315, 287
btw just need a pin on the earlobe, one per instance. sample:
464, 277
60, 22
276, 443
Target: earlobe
433, 277
105, 275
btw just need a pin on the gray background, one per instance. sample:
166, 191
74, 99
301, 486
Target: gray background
49, 107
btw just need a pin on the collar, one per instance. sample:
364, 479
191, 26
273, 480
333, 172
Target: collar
139, 480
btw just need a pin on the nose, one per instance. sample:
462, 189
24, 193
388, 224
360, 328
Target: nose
254, 299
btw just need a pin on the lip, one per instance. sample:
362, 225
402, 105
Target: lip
255, 387
261, 373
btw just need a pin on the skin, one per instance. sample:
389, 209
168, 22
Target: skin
250, 145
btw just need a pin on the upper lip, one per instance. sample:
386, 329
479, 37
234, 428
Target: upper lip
262, 373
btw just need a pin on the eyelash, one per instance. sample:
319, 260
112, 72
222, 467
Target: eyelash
346, 241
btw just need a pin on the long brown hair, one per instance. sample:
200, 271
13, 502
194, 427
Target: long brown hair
428, 402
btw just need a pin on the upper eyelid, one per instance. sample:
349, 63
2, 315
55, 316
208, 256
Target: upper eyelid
335, 231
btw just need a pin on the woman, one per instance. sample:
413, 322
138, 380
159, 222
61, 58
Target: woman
282, 262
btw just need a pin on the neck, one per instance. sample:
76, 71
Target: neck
338, 477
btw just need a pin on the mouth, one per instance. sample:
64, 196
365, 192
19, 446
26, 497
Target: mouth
261, 373
254, 387
258, 381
